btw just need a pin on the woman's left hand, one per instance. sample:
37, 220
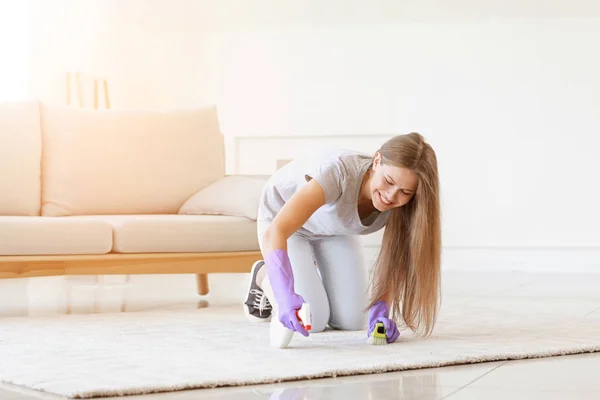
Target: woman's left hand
380, 313
391, 330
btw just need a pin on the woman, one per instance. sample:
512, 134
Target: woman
310, 215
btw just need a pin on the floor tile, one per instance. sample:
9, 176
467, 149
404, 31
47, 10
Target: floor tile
474, 284
594, 314
555, 374
525, 394
433, 383
555, 306
13, 297
11, 392
559, 286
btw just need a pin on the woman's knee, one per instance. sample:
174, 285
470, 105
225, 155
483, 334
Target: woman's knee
320, 315
351, 321
354, 321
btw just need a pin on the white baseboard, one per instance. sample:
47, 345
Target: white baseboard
559, 259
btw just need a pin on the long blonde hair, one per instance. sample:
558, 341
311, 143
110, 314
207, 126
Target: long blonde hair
407, 270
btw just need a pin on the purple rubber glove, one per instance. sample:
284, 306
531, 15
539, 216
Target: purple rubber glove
380, 312
279, 270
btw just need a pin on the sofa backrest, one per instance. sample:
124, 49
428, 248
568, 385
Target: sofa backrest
20, 157
127, 162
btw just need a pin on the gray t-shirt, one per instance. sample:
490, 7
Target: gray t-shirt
340, 174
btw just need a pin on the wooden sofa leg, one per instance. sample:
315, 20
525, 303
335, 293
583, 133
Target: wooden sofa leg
202, 282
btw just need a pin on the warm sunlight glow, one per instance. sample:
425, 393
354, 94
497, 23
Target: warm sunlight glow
15, 46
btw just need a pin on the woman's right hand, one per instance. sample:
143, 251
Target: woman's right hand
281, 280
288, 317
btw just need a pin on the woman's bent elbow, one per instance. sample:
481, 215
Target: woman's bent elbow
274, 239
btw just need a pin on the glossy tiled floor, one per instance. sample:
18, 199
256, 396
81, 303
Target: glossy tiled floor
569, 377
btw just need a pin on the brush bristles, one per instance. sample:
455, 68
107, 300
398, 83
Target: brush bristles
378, 336
377, 341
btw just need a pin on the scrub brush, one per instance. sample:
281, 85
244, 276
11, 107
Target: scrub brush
378, 335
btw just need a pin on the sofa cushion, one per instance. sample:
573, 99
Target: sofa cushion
53, 236
181, 233
127, 162
20, 157
233, 195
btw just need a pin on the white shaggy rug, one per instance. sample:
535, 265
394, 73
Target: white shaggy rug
83, 356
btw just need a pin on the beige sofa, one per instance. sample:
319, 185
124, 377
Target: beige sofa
93, 192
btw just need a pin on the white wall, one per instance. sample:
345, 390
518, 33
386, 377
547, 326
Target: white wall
507, 92
149, 51
15, 48
510, 104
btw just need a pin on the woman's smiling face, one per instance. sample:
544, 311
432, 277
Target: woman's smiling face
391, 186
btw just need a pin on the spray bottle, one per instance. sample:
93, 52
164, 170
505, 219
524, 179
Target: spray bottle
304, 316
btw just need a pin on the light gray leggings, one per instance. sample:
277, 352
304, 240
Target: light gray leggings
336, 288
